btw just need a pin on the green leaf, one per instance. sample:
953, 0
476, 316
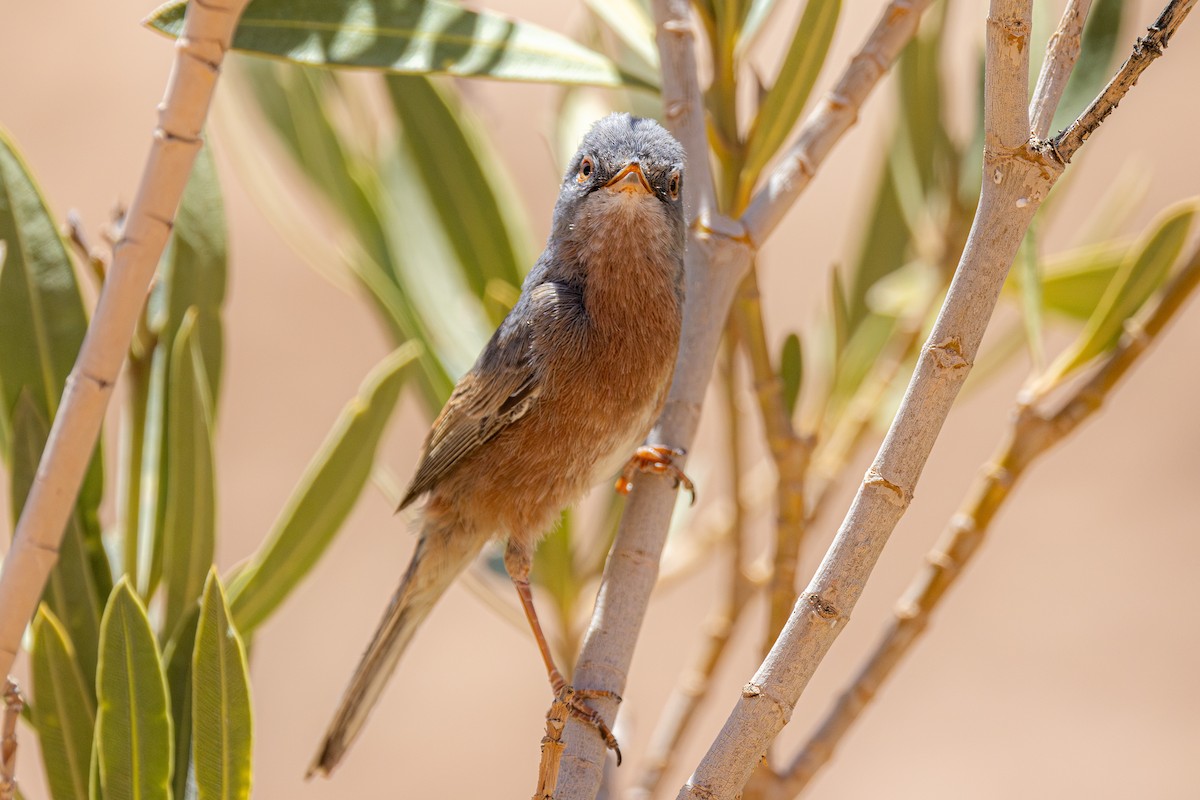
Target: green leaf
222, 723
42, 321
465, 180
320, 503
191, 274
785, 100
189, 524
631, 22
65, 708
410, 37
756, 13
554, 567
133, 726
1141, 272
1097, 55
791, 370
1074, 282
177, 656
73, 593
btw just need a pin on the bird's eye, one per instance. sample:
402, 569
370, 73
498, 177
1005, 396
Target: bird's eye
585, 169
673, 185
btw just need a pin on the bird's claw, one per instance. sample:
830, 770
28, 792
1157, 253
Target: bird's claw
657, 460
575, 701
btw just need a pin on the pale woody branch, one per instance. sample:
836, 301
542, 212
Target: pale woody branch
1061, 54
1032, 433
208, 30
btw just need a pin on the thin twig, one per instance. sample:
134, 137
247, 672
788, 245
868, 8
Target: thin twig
8, 739
208, 29
1031, 434
1145, 50
693, 687
718, 256
789, 452
833, 116
1062, 52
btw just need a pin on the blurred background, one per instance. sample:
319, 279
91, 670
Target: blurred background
1064, 663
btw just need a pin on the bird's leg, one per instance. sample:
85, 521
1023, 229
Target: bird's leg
656, 459
518, 561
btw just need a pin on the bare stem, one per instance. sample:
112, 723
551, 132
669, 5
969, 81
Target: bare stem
694, 685
1031, 434
8, 739
789, 452
1145, 50
208, 29
1062, 51
552, 750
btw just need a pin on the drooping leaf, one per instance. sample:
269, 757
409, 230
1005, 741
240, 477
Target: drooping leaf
465, 181
630, 21
356, 193
1144, 268
65, 708
189, 516
222, 722
134, 741
786, 99
791, 371
322, 499
73, 592
410, 37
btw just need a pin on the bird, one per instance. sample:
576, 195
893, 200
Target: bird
561, 397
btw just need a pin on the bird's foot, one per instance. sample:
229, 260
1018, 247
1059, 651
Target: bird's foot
576, 702
656, 459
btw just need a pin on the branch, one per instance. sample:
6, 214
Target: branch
8, 739
208, 29
1030, 435
833, 116
1016, 180
1062, 52
1145, 50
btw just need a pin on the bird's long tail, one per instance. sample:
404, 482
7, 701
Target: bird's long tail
442, 552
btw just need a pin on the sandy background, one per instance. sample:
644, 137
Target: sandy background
1063, 666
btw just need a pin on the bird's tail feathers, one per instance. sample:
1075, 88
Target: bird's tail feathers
442, 553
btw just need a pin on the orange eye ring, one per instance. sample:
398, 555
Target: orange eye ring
586, 168
673, 185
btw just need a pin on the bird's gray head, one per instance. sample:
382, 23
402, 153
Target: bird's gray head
627, 173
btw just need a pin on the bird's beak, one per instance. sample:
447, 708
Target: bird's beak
630, 179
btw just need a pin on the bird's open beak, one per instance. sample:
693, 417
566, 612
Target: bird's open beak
631, 179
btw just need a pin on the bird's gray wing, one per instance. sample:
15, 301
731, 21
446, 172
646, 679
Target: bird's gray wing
500, 389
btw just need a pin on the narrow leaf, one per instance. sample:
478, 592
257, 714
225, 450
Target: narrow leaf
72, 593
177, 656
1031, 299
65, 708
465, 180
222, 723
791, 370
629, 20
133, 725
1074, 282
412, 37
1142, 271
320, 503
189, 526
1097, 55
787, 97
